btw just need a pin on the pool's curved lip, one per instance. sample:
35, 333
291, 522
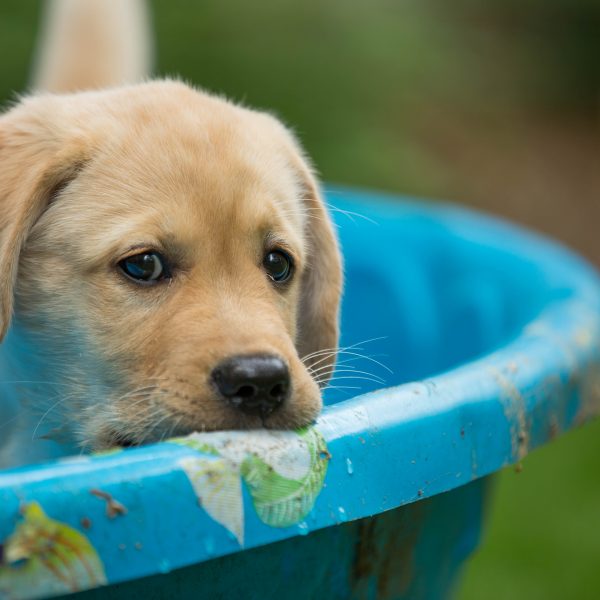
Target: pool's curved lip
387, 448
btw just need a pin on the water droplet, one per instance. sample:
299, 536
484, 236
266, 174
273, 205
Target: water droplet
303, 528
349, 466
342, 514
164, 566
209, 546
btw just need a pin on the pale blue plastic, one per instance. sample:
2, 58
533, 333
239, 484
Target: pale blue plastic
487, 340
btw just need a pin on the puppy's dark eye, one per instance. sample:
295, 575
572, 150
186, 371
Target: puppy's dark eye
147, 267
278, 265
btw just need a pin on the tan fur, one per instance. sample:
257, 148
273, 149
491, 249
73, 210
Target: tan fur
84, 178
92, 44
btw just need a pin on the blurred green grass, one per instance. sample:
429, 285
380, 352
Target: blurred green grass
491, 104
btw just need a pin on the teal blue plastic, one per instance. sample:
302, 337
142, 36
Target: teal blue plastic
482, 341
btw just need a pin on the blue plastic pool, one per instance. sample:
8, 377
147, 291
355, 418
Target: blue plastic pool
472, 342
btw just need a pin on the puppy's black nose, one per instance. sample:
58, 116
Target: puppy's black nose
257, 384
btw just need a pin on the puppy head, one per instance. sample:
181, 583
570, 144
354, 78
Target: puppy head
170, 257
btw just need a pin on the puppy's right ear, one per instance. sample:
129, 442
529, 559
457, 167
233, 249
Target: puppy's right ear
318, 320
35, 164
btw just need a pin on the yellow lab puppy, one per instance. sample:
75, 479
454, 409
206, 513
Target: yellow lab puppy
167, 261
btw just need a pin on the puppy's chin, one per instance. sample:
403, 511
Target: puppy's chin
127, 435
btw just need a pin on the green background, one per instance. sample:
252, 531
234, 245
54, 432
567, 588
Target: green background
493, 104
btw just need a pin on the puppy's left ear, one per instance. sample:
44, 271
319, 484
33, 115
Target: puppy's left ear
318, 318
34, 167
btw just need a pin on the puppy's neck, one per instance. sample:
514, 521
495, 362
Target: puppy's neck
29, 393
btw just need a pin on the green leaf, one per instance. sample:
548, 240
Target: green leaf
284, 472
282, 502
45, 557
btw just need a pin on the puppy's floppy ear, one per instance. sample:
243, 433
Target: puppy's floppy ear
34, 166
318, 318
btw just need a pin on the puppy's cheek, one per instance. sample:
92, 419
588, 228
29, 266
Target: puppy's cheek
94, 431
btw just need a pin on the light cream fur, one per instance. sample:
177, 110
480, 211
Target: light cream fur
92, 44
87, 176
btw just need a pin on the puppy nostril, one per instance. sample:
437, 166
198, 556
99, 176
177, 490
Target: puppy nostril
277, 391
246, 391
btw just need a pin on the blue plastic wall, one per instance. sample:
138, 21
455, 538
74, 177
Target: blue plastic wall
426, 290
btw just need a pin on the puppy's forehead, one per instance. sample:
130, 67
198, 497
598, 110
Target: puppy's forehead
223, 149
192, 167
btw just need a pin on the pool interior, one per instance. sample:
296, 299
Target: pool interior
420, 298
